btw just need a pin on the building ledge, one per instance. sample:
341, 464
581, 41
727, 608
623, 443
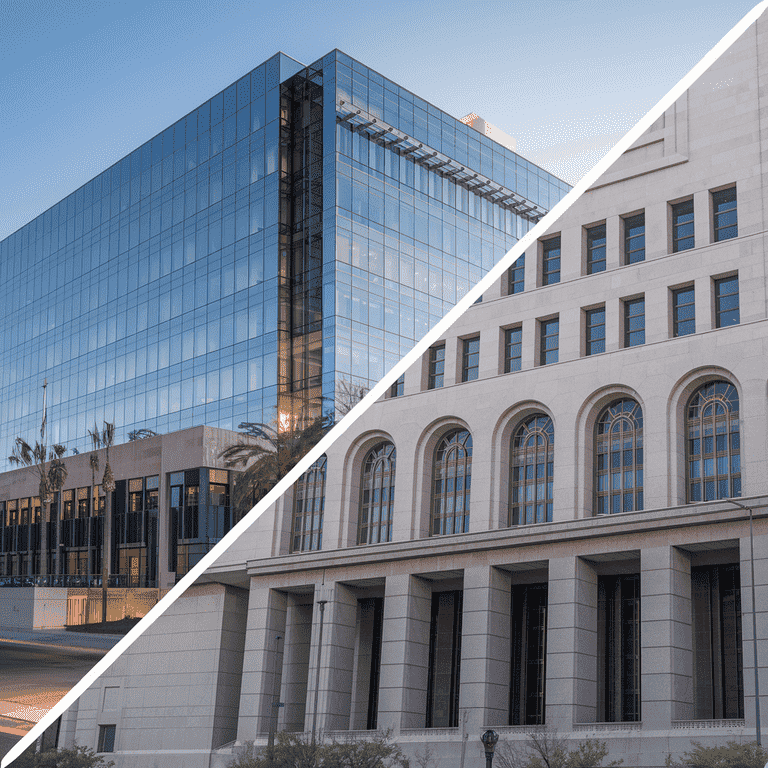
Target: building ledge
588, 528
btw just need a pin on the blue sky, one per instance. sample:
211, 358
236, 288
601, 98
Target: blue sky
84, 83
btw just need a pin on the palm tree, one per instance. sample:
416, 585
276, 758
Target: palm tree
93, 459
104, 439
267, 453
49, 466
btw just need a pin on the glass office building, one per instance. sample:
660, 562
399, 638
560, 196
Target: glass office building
304, 225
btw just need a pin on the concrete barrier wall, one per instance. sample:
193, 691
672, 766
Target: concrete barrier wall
33, 607
29, 608
121, 602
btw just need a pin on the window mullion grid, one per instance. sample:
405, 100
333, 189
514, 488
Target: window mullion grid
702, 426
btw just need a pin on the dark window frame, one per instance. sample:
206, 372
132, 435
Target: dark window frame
722, 228
546, 334
632, 241
618, 458
596, 248
308, 509
512, 344
107, 735
377, 488
629, 308
550, 253
683, 213
677, 307
516, 277
713, 443
722, 298
532, 471
592, 324
436, 371
451, 483
470, 358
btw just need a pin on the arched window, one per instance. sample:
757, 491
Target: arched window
619, 458
712, 442
308, 506
377, 490
532, 471
451, 483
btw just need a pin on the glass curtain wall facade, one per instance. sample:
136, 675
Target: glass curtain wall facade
149, 296
248, 249
306, 225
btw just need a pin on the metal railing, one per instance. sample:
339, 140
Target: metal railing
116, 580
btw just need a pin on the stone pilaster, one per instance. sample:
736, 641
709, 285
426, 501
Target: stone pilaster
571, 687
485, 648
293, 688
336, 658
404, 653
666, 637
761, 601
262, 662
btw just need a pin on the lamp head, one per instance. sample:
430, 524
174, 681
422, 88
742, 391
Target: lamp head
489, 739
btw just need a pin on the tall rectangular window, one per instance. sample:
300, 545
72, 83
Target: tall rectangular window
436, 367
513, 349
371, 621
724, 216
618, 648
444, 660
397, 389
718, 685
595, 331
516, 276
682, 226
727, 301
529, 654
634, 238
470, 359
550, 266
634, 322
106, 738
596, 249
683, 312
549, 341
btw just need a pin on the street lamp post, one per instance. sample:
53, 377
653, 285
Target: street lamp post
320, 603
275, 700
489, 739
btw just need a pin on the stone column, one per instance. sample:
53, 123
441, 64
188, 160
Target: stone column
485, 648
571, 685
404, 653
263, 661
336, 658
666, 637
614, 244
702, 228
761, 600
293, 686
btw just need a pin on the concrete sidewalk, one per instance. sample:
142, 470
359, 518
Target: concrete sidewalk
61, 639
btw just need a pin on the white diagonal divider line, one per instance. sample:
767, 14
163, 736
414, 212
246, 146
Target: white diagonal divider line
392, 375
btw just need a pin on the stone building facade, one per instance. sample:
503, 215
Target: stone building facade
548, 522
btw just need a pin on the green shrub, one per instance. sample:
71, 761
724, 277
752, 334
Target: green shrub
732, 755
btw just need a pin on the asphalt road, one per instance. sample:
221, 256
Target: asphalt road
7, 740
33, 678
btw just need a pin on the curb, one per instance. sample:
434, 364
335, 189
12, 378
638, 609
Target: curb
74, 641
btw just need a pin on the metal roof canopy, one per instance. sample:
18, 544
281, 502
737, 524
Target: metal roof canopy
376, 130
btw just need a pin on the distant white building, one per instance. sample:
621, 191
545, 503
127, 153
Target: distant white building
490, 130
547, 522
